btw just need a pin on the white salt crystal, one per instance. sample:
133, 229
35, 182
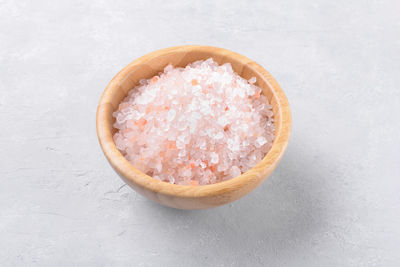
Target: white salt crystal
193, 125
200, 124
223, 121
252, 80
168, 68
158, 166
203, 144
171, 114
214, 158
260, 141
182, 153
219, 136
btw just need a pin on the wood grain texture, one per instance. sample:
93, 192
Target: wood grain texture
191, 197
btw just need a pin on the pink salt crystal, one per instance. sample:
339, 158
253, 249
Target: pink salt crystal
196, 125
234, 172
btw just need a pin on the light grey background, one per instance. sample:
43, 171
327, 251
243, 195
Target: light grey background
333, 201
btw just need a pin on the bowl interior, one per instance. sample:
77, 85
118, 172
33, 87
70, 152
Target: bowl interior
155, 62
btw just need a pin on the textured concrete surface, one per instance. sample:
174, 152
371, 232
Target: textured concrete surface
333, 201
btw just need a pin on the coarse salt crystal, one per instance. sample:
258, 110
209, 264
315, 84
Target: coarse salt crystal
219, 136
252, 80
214, 158
171, 114
260, 141
234, 172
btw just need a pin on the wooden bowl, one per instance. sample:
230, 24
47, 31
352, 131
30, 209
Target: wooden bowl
180, 196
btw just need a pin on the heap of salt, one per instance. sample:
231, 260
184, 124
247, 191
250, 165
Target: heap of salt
197, 125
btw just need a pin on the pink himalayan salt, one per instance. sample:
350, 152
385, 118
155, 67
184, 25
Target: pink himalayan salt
197, 125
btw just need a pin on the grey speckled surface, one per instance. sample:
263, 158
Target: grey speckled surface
333, 201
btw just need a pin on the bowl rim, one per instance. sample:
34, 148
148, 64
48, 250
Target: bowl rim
255, 174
